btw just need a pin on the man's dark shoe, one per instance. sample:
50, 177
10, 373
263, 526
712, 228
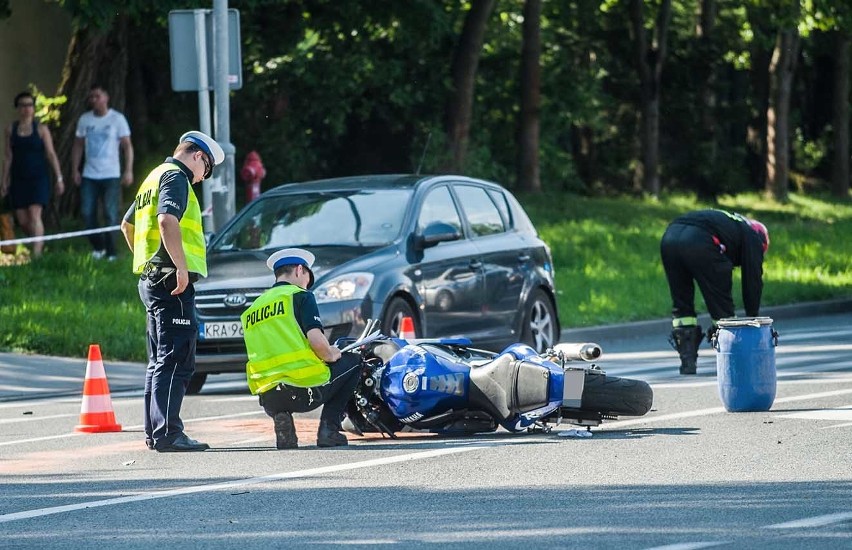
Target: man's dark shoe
182, 444
149, 443
330, 436
285, 431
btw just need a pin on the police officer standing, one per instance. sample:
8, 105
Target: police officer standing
703, 247
163, 229
290, 362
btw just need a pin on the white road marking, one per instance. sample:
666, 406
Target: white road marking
780, 377
817, 521
40, 512
836, 426
716, 410
252, 440
688, 545
33, 418
780, 350
812, 335
839, 413
131, 428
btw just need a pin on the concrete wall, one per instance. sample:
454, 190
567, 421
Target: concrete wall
33, 44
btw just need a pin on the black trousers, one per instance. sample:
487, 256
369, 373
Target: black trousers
333, 395
690, 256
172, 331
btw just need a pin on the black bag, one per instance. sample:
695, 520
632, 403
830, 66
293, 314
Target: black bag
292, 399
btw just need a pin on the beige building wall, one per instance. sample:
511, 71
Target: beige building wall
33, 44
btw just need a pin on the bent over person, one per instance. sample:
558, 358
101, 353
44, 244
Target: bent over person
703, 247
290, 362
163, 229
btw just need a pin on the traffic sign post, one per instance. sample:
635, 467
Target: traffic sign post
205, 43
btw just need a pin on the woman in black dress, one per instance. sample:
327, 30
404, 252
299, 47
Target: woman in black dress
29, 147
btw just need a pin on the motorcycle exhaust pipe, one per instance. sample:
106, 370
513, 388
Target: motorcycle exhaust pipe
579, 352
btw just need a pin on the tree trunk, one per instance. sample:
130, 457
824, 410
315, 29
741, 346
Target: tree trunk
706, 186
94, 57
840, 114
465, 63
528, 127
781, 70
649, 62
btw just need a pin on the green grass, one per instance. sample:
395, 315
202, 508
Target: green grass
65, 300
605, 251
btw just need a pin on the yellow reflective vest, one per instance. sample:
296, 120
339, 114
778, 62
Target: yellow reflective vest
278, 350
146, 236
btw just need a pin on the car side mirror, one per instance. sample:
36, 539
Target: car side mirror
437, 232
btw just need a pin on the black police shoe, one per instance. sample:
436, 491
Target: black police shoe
330, 436
285, 431
182, 444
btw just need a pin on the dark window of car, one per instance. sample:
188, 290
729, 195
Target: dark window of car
520, 221
359, 218
500, 200
482, 215
438, 206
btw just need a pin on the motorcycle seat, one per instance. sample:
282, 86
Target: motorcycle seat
507, 386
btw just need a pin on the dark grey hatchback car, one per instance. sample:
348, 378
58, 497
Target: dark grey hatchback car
458, 255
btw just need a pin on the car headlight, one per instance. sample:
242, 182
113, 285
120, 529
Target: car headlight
352, 286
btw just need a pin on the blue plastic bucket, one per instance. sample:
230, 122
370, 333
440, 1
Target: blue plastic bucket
745, 363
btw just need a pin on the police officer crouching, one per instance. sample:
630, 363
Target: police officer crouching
290, 362
163, 230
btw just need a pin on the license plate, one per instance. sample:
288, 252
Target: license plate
220, 330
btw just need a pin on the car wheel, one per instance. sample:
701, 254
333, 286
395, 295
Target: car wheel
396, 310
540, 323
444, 301
196, 383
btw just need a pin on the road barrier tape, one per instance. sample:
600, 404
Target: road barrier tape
62, 235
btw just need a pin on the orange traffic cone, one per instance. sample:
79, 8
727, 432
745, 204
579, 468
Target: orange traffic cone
96, 414
406, 329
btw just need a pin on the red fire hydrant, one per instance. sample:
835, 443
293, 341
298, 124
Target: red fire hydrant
252, 174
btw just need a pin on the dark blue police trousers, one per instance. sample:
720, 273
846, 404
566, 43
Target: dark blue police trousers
172, 331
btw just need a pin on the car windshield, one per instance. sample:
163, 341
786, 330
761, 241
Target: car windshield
334, 218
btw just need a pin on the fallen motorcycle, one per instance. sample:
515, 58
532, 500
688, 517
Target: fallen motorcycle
446, 386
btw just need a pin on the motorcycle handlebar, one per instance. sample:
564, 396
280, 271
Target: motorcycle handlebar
586, 351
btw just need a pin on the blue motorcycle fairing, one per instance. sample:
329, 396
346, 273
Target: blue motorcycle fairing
418, 383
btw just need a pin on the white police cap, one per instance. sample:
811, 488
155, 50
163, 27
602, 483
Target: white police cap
290, 256
207, 144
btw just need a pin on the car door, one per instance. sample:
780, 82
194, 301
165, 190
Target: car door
449, 275
504, 257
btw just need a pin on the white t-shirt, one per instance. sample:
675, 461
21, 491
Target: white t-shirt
102, 135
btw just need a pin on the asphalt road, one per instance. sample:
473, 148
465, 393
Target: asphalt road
687, 475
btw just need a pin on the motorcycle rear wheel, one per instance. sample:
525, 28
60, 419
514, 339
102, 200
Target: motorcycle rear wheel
616, 396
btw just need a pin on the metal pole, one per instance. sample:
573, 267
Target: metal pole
204, 122
224, 196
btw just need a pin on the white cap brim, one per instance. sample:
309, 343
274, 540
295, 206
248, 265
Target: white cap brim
290, 256
207, 144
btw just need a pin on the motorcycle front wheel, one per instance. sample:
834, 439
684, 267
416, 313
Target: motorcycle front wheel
616, 396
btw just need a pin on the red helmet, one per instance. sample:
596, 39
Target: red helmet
762, 231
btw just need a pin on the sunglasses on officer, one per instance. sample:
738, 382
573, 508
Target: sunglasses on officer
208, 166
